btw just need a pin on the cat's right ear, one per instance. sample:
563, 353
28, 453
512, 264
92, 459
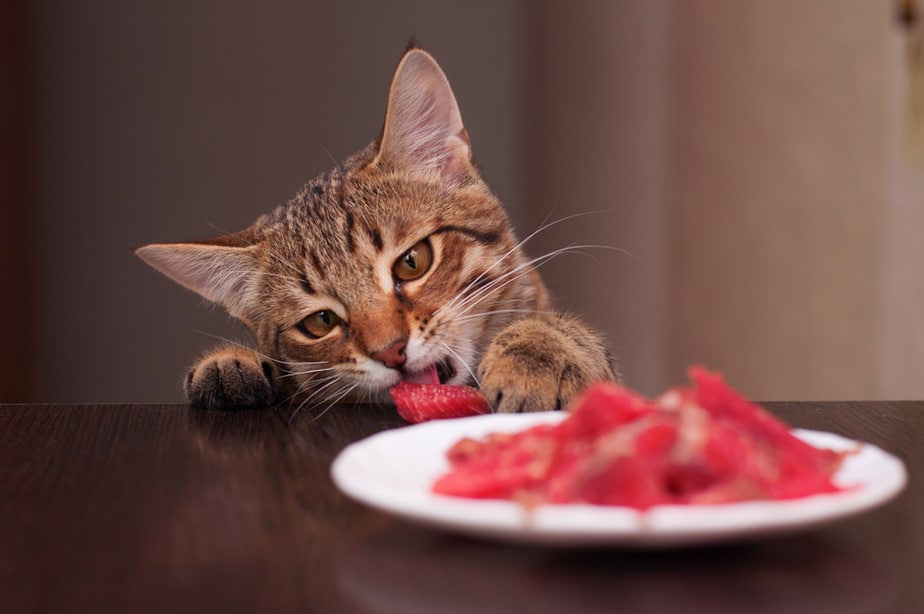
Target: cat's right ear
423, 126
220, 273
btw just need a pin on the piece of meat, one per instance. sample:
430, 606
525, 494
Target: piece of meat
422, 402
699, 444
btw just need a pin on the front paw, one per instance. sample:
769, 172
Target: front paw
231, 378
518, 381
508, 392
542, 363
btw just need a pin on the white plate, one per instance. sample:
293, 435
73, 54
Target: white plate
393, 471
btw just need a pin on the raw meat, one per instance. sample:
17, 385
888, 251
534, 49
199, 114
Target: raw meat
693, 445
422, 402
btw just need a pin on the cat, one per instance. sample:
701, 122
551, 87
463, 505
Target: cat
399, 264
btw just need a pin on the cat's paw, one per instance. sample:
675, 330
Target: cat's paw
231, 377
541, 363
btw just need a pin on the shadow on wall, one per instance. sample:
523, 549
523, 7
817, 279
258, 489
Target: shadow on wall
169, 121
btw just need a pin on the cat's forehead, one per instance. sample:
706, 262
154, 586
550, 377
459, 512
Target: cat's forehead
338, 210
347, 223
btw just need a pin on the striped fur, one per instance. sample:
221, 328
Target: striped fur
332, 257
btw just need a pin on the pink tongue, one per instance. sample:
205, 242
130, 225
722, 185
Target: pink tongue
427, 376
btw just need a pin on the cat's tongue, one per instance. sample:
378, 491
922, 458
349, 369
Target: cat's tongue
427, 376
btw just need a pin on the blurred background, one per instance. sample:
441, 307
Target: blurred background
759, 166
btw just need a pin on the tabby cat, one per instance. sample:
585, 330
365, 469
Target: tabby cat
398, 264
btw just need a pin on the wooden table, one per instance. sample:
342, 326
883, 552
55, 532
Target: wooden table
161, 508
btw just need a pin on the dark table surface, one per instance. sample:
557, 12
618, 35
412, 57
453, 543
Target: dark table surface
162, 508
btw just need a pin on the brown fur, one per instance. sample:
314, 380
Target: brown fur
332, 253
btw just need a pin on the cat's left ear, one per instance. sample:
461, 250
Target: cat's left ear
222, 270
423, 127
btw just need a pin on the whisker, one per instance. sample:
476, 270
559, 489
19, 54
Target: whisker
230, 342
333, 397
307, 372
308, 400
318, 386
542, 228
485, 314
464, 363
471, 299
512, 275
336, 398
259, 353
516, 272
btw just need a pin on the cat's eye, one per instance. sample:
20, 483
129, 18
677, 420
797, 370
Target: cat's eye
319, 324
414, 262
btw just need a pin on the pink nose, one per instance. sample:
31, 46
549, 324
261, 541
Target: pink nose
392, 356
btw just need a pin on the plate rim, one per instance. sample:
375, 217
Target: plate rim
585, 524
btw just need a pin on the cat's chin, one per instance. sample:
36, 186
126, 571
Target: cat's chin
375, 388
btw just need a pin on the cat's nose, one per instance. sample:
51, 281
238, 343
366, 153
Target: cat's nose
391, 356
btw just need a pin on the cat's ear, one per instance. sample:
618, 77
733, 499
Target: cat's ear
423, 127
219, 270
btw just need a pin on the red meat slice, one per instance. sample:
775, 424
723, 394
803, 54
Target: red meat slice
502, 467
701, 444
421, 402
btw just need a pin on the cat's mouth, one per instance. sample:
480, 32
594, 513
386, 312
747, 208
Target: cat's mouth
437, 373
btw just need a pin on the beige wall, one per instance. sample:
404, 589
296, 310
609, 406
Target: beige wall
901, 372
749, 153
779, 194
